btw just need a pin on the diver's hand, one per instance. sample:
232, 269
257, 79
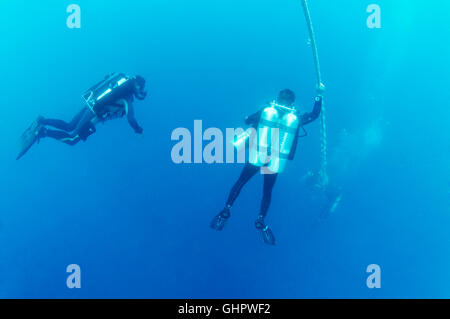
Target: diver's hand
320, 89
139, 130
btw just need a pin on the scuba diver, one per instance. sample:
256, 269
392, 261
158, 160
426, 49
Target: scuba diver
109, 99
327, 196
282, 122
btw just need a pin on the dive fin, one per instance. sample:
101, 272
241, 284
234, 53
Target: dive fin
331, 206
268, 236
28, 138
335, 203
266, 232
218, 223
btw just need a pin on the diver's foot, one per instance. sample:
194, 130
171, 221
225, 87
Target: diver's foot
218, 223
40, 132
40, 119
266, 232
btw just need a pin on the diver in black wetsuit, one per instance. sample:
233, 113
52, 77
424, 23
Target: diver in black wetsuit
83, 124
109, 99
285, 100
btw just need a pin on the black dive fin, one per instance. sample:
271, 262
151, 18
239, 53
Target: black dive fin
218, 223
268, 236
28, 138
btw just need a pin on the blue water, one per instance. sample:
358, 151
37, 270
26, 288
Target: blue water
137, 224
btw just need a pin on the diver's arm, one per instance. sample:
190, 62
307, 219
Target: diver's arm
309, 117
129, 110
254, 118
312, 116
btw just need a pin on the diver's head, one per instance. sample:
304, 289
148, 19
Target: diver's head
286, 97
140, 92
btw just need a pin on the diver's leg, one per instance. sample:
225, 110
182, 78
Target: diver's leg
63, 125
269, 182
83, 128
70, 139
247, 173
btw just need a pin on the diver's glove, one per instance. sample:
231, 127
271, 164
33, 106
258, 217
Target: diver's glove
139, 130
320, 89
141, 95
266, 232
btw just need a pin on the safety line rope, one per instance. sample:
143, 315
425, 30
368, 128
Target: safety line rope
324, 147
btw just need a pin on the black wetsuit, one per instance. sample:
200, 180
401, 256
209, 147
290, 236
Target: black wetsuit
71, 133
269, 179
81, 126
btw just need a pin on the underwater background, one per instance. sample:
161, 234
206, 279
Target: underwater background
137, 224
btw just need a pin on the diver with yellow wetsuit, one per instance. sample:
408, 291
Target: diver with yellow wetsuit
275, 142
109, 99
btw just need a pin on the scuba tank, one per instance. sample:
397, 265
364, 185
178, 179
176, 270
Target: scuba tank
260, 145
240, 141
277, 130
107, 92
288, 130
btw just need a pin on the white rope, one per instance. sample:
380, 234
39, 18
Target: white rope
323, 147
313, 40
